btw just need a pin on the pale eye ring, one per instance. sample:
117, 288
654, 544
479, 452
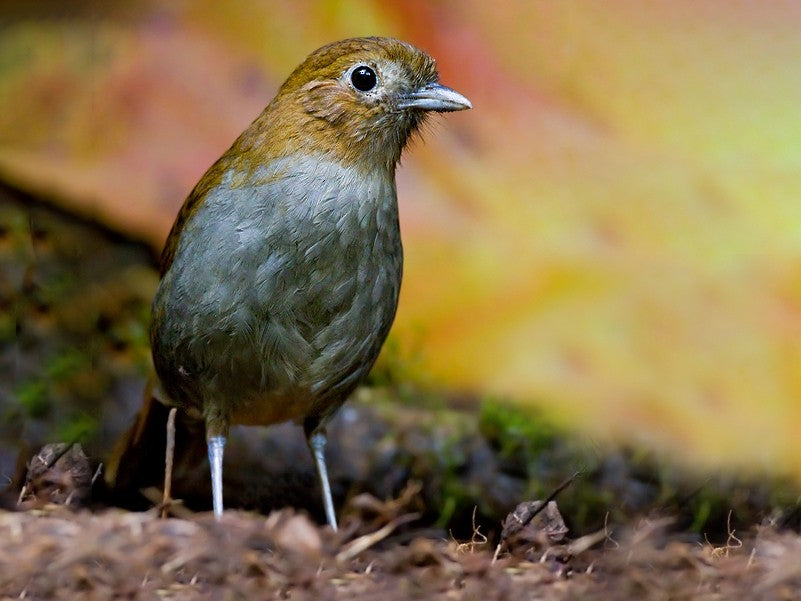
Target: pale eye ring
363, 78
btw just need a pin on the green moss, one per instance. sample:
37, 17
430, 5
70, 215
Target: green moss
65, 365
79, 428
701, 515
517, 434
32, 398
447, 511
39, 398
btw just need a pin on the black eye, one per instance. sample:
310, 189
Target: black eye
363, 78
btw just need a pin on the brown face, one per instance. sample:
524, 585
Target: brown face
348, 96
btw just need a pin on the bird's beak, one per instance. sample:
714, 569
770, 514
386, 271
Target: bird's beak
434, 97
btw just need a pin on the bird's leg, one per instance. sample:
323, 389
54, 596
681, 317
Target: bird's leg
216, 446
216, 435
169, 455
316, 439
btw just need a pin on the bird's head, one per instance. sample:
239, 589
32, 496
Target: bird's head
356, 100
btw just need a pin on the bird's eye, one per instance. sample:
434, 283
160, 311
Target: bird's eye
363, 78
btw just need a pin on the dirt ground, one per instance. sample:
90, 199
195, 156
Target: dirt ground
60, 544
56, 554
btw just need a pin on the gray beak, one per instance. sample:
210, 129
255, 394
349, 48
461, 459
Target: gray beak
434, 97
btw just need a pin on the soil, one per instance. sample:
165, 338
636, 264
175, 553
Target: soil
58, 554
60, 544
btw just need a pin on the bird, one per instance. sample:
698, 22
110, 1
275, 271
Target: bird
280, 277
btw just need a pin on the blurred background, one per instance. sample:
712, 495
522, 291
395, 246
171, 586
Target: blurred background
610, 240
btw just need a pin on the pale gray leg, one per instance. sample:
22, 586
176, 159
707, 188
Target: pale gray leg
169, 455
216, 446
317, 442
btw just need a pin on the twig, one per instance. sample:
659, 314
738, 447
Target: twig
550, 498
363, 543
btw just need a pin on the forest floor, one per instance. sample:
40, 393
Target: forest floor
58, 554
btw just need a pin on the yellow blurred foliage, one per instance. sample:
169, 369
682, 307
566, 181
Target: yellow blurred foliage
629, 226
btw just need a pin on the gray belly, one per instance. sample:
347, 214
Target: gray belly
275, 306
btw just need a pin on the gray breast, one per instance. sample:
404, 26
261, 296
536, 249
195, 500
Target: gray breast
281, 293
